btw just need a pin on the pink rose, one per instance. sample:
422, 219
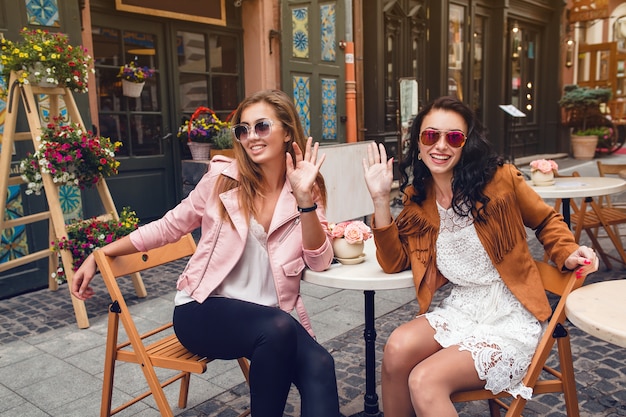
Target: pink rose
353, 233
544, 165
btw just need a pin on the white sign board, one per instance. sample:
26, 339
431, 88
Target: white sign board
348, 197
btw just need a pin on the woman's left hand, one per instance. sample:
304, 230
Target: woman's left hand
584, 260
302, 176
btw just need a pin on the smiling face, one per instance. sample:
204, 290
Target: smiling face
271, 148
440, 157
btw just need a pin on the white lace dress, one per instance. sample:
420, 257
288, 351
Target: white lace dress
481, 315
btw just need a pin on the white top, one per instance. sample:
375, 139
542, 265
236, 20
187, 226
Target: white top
367, 275
575, 187
251, 279
600, 310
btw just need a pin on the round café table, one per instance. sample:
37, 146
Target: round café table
567, 188
599, 310
368, 277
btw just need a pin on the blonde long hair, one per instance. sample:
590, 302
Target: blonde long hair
250, 174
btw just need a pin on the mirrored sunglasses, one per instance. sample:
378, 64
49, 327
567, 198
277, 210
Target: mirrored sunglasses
262, 129
455, 138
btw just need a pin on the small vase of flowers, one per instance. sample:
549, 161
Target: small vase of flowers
542, 171
348, 239
71, 155
134, 78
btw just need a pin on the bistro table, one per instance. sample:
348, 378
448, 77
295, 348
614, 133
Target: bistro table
579, 187
367, 276
599, 310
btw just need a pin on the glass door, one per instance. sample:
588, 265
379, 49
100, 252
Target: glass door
139, 123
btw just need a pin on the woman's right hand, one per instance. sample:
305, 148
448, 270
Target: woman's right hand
379, 178
378, 172
82, 278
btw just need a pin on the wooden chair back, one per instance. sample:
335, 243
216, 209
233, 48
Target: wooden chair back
618, 170
560, 284
157, 348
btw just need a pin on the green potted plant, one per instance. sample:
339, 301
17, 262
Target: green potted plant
581, 113
46, 59
223, 142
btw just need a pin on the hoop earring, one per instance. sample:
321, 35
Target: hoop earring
419, 156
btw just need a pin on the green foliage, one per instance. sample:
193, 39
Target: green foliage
582, 102
223, 139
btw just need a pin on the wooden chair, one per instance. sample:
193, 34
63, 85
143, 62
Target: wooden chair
158, 348
562, 380
615, 170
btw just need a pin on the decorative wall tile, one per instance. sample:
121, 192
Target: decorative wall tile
43, 12
329, 109
300, 32
302, 100
13, 241
328, 32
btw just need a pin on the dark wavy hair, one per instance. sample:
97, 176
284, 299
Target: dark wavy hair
474, 170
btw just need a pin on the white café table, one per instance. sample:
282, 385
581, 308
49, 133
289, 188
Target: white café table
579, 187
600, 310
368, 277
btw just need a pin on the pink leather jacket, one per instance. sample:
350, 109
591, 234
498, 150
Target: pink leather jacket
220, 247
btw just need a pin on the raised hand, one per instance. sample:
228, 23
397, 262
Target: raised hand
378, 173
302, 175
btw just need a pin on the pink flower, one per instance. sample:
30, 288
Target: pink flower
544, 165
353, 231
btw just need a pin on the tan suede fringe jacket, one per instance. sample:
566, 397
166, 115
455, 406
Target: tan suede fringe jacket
410, 241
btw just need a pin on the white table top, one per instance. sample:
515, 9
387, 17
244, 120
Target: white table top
367, 275
600, 310
574, 187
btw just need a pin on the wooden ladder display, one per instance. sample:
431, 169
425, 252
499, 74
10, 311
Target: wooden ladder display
54, 214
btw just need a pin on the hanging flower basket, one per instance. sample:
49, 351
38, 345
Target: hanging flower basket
200, 151
132, 89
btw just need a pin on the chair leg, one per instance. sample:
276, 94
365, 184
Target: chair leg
494, 408
184, 390
567, 376
245, 368
109, 365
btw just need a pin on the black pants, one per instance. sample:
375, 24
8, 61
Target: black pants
280, 351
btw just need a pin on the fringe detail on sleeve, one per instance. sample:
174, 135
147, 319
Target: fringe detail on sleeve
503, 228
412, 225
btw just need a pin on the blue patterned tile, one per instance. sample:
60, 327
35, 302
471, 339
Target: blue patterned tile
13, 241
302, 100
328, 32
43, 12
329, 109
300, 32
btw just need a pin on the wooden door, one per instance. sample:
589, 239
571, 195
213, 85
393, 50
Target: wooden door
313, 69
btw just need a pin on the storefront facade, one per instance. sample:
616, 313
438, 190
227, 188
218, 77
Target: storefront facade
488, 53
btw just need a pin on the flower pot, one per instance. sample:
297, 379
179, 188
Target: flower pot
32, 79
131, 89
541, 178
347, 251
199, 151
584, 147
